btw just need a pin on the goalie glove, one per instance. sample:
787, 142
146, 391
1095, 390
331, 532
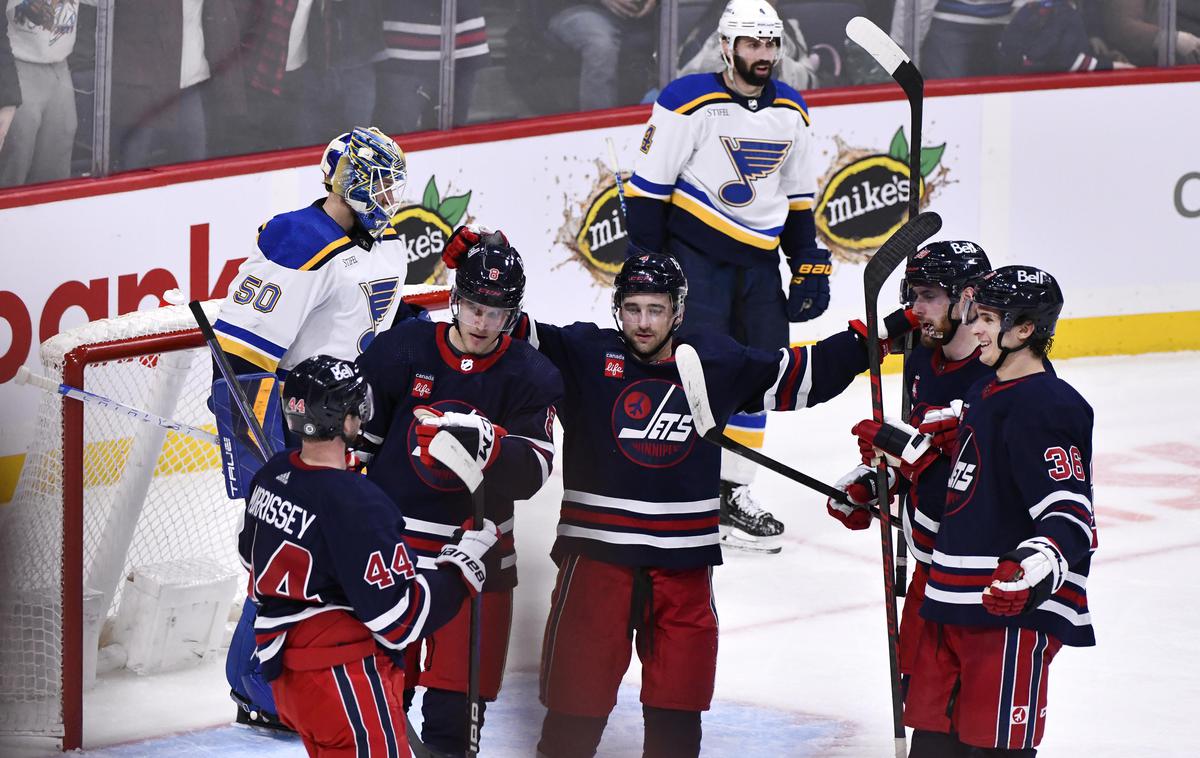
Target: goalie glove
1025, 578
463, 239
896, 442
941, 424
479, 436
471, 553
860, 488
895, 325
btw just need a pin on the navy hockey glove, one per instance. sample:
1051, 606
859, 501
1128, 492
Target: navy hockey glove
463, 239
897, 442
808, 295
895, 325
479, 436
860, 488
1025, 578
469, 553
941, 424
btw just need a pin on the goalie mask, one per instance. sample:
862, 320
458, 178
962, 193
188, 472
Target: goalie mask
320, 392
370, 176
331, 157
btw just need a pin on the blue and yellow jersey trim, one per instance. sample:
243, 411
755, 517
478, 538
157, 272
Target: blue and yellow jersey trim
249, 346
688, 94
303, 240
641, 187
693, 200
787, 97
802, 202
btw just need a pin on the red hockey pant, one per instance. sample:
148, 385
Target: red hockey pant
443, 666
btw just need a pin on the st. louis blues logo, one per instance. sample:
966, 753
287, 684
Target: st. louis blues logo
751, 159
652, 424
380, 293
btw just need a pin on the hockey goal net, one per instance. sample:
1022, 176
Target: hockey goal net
101, 494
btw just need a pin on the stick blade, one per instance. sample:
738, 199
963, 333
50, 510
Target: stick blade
691, 375
867, 35
903, 243
446, 448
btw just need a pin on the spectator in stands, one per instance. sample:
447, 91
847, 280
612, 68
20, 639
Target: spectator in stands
40, 137
1049, 36
604, 34
956, 38
352, 31
10, 86
284, 88
409, 74
1131, 26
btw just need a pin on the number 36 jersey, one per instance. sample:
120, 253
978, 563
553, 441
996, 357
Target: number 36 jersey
311, 288
1023, 469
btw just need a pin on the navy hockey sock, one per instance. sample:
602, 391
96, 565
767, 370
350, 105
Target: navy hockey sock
671, 733
936, 745
567, 736
444, 728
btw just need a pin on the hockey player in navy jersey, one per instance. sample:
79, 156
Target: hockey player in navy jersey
940, 370
723, 180
336, 588
288, 302
495, 393
1007, 582
638, 532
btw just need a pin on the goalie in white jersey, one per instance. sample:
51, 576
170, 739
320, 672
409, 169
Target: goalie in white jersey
723, 180
322, 280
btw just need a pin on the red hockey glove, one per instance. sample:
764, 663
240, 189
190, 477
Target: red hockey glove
941, 424
471, 553
897, 442
895, 325
463, 239
860, 488
1025, 578
479, 436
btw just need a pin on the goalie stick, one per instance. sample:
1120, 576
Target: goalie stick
900, 67
25, 376
695, 389
450, 452
898, 247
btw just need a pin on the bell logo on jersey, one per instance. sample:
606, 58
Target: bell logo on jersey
614, 366
652, 423
422, 386
752, 159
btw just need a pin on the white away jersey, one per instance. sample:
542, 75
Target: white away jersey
309, 289
732, 167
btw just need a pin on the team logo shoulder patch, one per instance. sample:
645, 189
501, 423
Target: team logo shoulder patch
647, 139
614, 365
422, 386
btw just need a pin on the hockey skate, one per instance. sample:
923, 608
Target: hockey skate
744, 523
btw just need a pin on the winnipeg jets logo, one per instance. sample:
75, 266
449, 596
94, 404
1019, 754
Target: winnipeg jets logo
652, 423
752, 160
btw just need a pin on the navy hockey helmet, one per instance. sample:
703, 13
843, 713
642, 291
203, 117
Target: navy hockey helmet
491, 274
950, 265
320, 392
1021, 293
650, 273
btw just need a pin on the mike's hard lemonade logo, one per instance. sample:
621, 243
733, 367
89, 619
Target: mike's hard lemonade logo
866, 195
424, 230
595, 230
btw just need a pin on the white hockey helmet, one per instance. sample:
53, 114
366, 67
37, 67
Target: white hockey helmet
749, 18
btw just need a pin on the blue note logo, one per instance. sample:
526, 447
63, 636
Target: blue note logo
652, 424
752, 160
380, 293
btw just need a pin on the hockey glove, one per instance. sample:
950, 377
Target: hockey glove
895, 325
897, 442
469, 554
941, 424
860, 488
479, 436
808, 295
1025, 578
463, 239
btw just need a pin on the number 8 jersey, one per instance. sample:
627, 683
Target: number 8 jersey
1023, 469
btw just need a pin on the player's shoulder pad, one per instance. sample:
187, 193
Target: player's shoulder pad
1049, 398
534, 366
787, 96
403, 334
303, 240
688, 94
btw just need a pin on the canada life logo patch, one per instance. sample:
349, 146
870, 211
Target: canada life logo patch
422, 386
614, 365
652, 424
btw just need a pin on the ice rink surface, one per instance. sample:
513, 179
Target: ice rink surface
802, 668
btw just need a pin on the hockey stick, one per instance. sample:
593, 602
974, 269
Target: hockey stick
451, 453
898, 247
25, 376
900, 67
616, 169
235, 389
695, 389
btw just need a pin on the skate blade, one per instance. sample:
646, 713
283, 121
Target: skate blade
735, 538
